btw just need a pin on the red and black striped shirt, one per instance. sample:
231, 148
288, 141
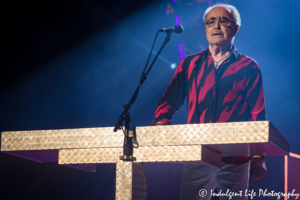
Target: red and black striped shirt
231, 93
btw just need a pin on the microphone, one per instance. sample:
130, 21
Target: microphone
176, 29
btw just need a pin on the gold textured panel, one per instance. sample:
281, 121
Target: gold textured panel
143, 154
131, 183
61, 139
210, 133
84, 156
171, 143
124, 180
172, 135
167, 153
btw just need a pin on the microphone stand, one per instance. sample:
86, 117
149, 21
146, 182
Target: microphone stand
130, 134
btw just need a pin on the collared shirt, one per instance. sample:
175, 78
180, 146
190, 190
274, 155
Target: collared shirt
231, 93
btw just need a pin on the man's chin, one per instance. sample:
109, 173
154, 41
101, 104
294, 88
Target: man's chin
219, 43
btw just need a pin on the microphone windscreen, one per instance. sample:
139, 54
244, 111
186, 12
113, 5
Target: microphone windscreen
178, 29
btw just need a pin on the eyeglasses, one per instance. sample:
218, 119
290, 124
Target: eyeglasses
224, 21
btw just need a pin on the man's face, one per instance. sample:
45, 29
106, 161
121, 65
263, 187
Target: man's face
218, 34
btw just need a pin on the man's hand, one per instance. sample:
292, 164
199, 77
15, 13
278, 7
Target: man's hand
257, 168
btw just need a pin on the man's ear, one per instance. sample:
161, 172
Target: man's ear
236, 27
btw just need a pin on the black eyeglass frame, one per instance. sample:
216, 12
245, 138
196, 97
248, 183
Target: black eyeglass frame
219, 19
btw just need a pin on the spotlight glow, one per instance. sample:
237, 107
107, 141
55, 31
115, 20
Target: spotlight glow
173, 65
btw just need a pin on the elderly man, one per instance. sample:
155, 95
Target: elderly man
221, 85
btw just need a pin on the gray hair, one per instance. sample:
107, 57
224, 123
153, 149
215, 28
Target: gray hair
230, 8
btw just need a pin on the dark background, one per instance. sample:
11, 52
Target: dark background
72, 64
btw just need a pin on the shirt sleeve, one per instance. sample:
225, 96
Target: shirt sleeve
256, 97
172, 99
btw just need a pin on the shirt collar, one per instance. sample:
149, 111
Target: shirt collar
232, 57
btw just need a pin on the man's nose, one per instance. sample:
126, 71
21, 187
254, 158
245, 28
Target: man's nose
217, 25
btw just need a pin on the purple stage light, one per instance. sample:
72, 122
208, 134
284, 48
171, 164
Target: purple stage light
180, 52
209, 3
174, 1
177, 20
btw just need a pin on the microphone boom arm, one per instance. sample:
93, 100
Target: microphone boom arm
142, 80
130, 140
